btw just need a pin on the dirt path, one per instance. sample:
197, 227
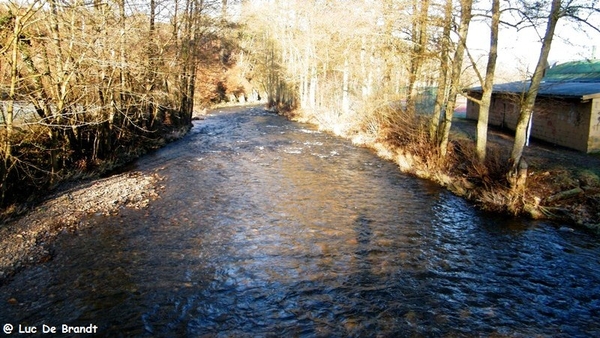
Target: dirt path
539, 154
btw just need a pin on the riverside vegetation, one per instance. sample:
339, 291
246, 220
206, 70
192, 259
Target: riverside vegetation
88, 86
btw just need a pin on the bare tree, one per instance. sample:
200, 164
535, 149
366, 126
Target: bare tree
20, 19
463, 29
102, 77
419, 39
487, 83
517, 174
579, 11
444, 71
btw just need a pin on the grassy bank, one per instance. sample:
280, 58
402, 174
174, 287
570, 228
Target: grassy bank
562, 185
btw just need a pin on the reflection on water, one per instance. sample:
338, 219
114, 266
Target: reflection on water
270, 228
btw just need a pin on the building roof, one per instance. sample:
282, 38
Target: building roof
575, 80
578, 71
574, 90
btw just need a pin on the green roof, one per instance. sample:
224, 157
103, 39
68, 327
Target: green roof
572, 89
575, 71
576, 80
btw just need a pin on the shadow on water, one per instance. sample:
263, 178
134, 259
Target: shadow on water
272, 228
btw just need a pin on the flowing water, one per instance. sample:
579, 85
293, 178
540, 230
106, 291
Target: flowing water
271, 228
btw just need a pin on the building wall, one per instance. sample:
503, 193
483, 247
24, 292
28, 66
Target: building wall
472, 109
504, 111
594, 139
562, 122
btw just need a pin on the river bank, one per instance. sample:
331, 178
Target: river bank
562, 184
28, 239
28, 230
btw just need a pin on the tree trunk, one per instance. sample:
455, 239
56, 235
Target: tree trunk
14, 79
151, 72
530, 96
122, 59
60, 70
365, 89
345, 88
386, 86
465, 20
484, 106
440, 98
223, 9
419, 47
312, 88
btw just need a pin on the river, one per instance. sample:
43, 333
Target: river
267, 227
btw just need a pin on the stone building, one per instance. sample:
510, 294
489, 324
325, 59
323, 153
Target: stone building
567, 108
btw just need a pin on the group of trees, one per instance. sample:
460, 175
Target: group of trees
386, 64
83, 82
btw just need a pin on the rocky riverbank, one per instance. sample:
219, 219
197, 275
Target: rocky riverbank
26, 232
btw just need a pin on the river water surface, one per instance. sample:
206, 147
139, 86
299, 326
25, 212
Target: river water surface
271, 228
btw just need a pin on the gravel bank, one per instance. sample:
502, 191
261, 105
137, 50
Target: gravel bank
27, 240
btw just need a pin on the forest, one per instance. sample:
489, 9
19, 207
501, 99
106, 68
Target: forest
87, 85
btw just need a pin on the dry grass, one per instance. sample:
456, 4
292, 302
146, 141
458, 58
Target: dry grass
489, 173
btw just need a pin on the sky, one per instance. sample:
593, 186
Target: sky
519, 51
